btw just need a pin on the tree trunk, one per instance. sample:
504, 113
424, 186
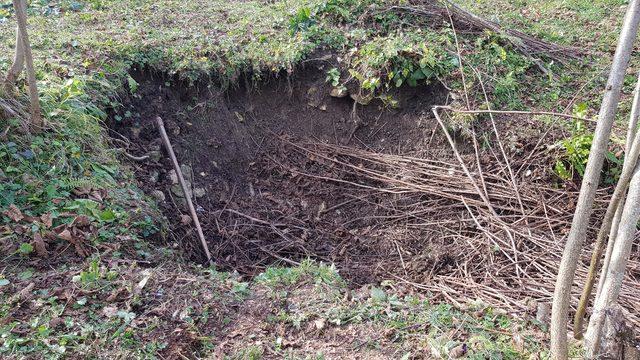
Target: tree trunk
36, 113
612, 216
631, 134
577, 234
18, 57
617, 266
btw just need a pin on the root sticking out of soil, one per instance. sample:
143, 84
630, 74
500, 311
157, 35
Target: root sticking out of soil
285, 172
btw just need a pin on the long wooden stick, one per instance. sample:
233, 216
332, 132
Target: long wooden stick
632, 128
515, 112
18, 59
183, 185
483, 196
612, 284
584, 207
36, 112
616, 204
461, 161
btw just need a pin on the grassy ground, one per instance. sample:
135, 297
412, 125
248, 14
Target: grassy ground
118, 309
593, 24
64, 193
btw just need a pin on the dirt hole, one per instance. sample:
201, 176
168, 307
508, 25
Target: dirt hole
283, 172
260, 196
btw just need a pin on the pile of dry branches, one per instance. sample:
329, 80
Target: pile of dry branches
467, 21
501, 250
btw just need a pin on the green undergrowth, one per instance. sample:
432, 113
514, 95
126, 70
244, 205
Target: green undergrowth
377, 45
84, 66
111, 309
68, 178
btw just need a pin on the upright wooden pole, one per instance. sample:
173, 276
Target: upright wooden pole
578, 232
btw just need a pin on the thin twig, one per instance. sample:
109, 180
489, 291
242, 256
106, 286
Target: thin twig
462, 164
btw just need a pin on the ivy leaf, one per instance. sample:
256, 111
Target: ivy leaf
378, 294
126, 316
133, 84
27, 274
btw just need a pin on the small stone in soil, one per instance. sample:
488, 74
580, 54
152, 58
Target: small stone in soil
339, 92
185, 219
158, 195
155, 155
173, 176
154, 177
199, 192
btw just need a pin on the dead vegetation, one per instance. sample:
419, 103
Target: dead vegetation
411, 219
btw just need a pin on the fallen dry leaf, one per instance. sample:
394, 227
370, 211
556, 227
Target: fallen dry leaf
81, 220
185, 219
66, 235
458, 351
98, 195
39, 245
47, 220
82, 191
22, 295
110, 311
14, 213
518, 342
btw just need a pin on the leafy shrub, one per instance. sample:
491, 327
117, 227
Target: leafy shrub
575, 156
398, 59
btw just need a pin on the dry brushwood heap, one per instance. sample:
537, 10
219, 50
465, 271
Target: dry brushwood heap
412, 219
465, 21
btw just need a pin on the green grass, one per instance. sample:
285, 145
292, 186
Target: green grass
84, 66
590, 25
103, 310
220, 40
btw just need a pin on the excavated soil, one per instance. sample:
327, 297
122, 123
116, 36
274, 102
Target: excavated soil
282, 171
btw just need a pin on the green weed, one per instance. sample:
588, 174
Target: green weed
575, 155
